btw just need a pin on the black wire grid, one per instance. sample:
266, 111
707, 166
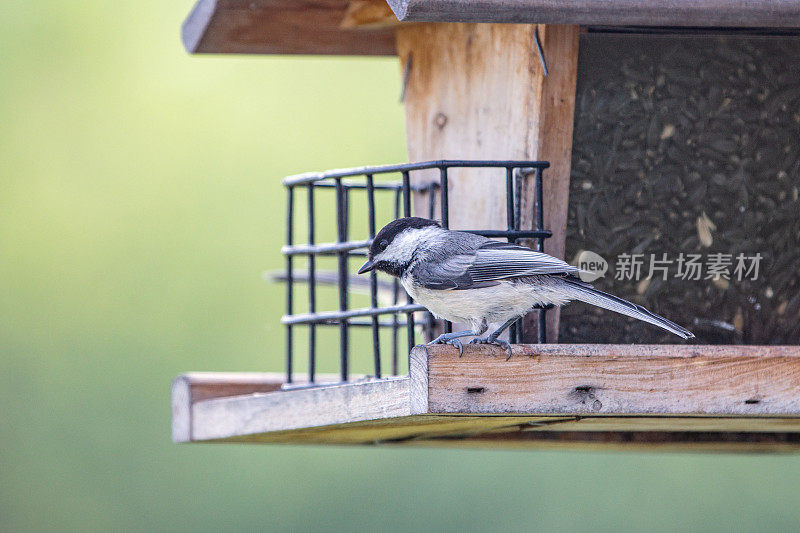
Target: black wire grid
402, 313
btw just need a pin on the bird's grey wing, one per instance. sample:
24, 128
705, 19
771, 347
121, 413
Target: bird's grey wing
497, 260
448, 274
486, 265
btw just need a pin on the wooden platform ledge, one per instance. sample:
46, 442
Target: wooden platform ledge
738, 398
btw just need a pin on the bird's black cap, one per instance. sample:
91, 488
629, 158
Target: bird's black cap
391, 230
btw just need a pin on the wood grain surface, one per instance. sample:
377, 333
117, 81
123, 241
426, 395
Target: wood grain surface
478, 91
281, 27
615, 379
326, 26
707, 398
298, 409
713, 13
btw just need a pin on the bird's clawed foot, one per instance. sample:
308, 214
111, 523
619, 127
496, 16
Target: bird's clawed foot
497, 342
451, 342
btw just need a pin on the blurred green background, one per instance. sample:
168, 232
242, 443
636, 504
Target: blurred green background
139, 204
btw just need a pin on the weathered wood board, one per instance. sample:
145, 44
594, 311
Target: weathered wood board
695, 13
284, 27
730, 398
611, 379
326, 26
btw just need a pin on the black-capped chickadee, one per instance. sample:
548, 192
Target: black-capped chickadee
466, 278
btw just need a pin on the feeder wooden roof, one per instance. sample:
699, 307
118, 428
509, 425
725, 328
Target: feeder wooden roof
329, 27
697, 13
366, 27
743, 398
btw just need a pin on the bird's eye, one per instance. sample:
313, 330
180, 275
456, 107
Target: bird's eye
383, 244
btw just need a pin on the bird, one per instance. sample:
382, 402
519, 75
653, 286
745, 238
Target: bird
467, 278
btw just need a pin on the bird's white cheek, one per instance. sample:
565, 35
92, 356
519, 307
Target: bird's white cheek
402, 248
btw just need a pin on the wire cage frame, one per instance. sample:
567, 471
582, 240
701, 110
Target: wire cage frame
402, 310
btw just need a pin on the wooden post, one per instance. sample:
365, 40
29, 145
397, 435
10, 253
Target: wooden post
478, 91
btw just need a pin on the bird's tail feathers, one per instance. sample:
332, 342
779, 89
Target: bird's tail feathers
586, 293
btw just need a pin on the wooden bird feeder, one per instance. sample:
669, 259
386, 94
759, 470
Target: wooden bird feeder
496, 80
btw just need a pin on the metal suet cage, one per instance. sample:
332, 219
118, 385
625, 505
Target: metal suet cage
401, 313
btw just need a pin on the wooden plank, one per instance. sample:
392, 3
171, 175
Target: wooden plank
280, 27
492, 430
695, 13
615, 379
418, 380
515, 432
478, 91
667, 423
652, 441
221, 418
389, 431
196, 386
522, 432
193, 387
205, 385
329, 27
377, 412
697, 398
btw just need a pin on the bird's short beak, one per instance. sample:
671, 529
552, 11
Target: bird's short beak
366, 268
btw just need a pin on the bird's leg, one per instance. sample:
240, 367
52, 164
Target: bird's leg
492, 338
452, 338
